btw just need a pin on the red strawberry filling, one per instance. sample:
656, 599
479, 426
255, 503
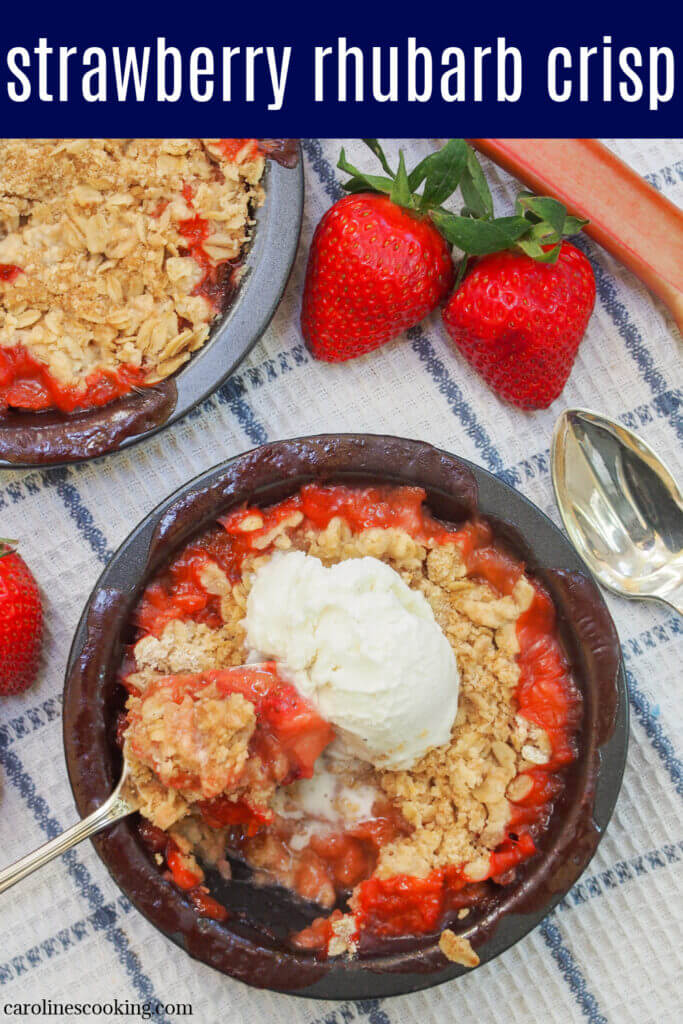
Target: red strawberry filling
268, 736
339, 861
9, 272
26, 383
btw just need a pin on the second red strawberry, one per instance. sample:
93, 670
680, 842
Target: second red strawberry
520, 322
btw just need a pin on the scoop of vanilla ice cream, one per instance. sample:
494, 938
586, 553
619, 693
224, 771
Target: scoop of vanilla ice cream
363, 647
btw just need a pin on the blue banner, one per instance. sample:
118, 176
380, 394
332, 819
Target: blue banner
575, 70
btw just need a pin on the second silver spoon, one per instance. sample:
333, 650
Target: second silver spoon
620, 505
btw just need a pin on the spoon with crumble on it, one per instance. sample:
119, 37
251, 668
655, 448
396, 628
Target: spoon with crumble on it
207, 722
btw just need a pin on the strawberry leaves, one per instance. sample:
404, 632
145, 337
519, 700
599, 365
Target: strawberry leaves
7, 547
475, 188
479, 237
440, 172
537, 227
400, 191
542, 209
362, 182
551, 224
379, 153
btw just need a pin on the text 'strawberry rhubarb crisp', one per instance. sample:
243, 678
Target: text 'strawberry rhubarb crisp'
364, 705
116, 255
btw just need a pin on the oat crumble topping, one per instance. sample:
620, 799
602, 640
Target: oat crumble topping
204, 741
456, 797
457, 949
96, 227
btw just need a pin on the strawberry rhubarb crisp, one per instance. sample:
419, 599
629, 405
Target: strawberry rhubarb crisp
116, 255
364, 705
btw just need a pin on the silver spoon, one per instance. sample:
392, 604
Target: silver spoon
621, 507
112, 810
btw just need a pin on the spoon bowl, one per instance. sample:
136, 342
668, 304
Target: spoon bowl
621, 507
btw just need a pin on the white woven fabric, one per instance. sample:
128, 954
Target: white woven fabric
613, 951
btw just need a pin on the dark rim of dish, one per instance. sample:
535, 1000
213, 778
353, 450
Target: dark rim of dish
55, 439
251, 946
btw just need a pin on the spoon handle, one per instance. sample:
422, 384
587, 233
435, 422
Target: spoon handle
111, 810
675, 599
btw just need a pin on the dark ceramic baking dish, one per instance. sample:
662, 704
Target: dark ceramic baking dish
52, 438
251, 945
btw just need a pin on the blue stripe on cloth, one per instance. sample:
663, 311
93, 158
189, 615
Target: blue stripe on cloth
83, 518
18, 490
323, 168
629, 333
260, 373
364, 1009
71, 498
61, 942
654, 732
80, 875
69, 495
372, 1009
270, 369
649, 639
34, 718
30, 484
571, 972
670, 175
666, 405
453, 395
230, 394
623, 871
343, 1014
538, 465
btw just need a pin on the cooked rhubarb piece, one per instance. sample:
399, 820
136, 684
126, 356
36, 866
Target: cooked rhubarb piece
384, 853
222, 740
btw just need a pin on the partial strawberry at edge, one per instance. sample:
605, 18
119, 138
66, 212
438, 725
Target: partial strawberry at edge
519, 322
374, 270
21, 622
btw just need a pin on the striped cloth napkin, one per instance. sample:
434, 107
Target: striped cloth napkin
613, 949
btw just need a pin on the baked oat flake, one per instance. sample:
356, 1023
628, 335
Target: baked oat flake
459, 820
116, 255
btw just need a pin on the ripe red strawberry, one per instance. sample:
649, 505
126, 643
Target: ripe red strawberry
21, 622
379, 262
374, 270
519, 322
